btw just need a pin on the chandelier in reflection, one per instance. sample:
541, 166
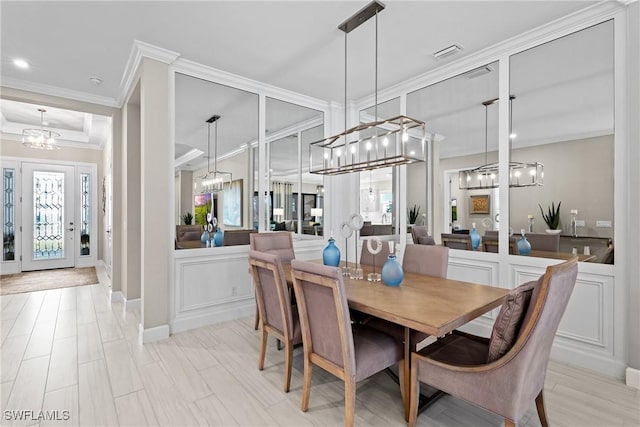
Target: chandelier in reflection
487, 175
377, 144
41, 139
212, 181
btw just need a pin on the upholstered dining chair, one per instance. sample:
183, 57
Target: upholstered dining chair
456, 241
279, 318
351, 353
544, 241
420, 235
506, 373
367, 257
278, 243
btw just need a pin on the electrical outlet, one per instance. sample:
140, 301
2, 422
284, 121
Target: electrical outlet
603, 223
580, 223
234, 291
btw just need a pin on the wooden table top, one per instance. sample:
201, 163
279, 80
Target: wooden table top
561, 255
424, 303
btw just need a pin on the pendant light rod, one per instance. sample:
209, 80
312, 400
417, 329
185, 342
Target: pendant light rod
212, 119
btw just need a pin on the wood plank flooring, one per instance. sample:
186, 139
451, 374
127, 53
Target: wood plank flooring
72, 350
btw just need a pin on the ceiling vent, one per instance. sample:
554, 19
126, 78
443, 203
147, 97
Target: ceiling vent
477, 72
448, 51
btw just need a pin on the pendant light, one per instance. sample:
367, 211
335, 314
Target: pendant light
487, 175
40, 138
214, 180
377, 144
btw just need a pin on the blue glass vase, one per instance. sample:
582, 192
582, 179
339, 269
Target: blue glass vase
218, 238
524, 247
331, 254
204, 238
475, 237
392, 274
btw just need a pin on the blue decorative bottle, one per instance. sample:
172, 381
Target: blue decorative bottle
218, 238
392, 273
524, 247
331, 254
205, 238
475, 237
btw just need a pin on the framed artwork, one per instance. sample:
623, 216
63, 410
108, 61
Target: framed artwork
308, 202
232, 204
479, 204
202, 206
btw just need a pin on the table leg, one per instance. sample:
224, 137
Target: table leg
407, 371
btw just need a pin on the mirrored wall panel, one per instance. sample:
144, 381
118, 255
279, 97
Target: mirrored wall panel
461, 114
563, 118
295, 201
216, 127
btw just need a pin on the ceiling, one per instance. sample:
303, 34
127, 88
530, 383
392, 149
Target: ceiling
296, 45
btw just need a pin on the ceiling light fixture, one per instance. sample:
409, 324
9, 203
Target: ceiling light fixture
96, 81
212, 181
361, 147
487, 175
21, 63
40, 138
448, 51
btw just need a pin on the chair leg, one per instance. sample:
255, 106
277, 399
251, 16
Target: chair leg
257, 321
415, 395
509, 423
542, 414
263, 349
401, 379
288, 361
306, 387
349, 401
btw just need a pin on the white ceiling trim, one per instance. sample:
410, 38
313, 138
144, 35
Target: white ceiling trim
59, 92
139, 50
190, 155
573, 22
59, 142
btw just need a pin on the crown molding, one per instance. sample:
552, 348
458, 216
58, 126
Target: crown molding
58, 92
573, 22
60, 142
141, 50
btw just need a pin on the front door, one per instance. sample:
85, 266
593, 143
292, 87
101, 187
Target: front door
47, 216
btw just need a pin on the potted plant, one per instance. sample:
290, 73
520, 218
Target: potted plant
187, 218
552, 217
412, 214
84, 241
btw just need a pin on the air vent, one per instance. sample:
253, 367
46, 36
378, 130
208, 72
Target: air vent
448, 51
477, 72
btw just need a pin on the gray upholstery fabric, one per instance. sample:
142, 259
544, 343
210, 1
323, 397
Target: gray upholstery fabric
544, 241
507, 325
368, 351
509, 385
456, 241
277, 243
426, 240
418, 231
426, 259
458, 349
188, 232
267, 290
237, 237
368, 259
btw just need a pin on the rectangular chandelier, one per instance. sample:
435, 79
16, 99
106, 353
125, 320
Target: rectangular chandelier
396, 141
487, 176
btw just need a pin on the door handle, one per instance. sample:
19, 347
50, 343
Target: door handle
69, 229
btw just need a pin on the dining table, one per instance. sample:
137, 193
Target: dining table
433, 305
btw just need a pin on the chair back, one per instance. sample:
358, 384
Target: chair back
279, 243
429, 260
324, 316
237, 237
418, 231
188, 232
272, 294
528, 358
544, 241
456, 241
368, 258
490, 244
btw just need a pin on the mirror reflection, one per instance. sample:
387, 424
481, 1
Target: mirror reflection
202, 148
296, 198
562, 117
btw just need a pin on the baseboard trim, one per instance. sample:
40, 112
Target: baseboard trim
189, 321
132, 304
116, 296
633, 378
153, 334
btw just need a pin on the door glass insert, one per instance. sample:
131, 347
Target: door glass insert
8, 217
85, 214
48, 215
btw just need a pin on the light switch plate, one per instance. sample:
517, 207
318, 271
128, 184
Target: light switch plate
603, 223
580, 223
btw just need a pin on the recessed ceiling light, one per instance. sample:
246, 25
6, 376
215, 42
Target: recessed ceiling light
448, 51
96, 81
21, 63
477, 72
